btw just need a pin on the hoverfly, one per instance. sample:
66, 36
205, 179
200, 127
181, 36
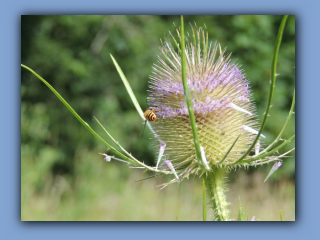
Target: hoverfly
150, 116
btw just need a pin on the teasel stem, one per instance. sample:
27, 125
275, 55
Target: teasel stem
188, 98
204, 203
272, 86
215, 184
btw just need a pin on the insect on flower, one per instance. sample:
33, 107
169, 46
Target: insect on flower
150, 116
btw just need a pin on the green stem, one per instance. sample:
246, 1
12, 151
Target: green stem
285, 124
204, 205
215, 183
188, 98
270, 152
272, 85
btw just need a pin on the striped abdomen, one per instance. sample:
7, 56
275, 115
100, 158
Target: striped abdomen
150, 115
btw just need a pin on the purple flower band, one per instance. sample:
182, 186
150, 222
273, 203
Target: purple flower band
205, 107
207, 82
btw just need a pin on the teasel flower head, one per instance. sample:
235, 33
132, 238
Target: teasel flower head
221, 99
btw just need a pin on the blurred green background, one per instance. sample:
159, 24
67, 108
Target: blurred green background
62, 175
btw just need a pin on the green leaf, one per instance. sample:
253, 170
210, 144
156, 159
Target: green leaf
241, 215
132, 96
281, 216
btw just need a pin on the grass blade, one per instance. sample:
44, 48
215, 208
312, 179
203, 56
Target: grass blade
241, 215
281, 216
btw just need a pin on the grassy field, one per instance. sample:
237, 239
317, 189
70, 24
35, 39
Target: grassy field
109, 192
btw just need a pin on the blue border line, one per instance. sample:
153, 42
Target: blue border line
307, 118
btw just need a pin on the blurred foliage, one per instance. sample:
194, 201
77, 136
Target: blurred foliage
59, 158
